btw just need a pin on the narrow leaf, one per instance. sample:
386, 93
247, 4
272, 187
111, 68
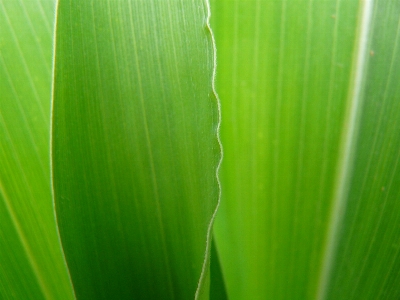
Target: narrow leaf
366, 258
31, 261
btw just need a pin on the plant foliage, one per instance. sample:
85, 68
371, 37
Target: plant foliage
109, 148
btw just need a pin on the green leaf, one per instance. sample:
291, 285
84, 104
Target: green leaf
134, 147
366, 258
309, 126
217, 283
31, 261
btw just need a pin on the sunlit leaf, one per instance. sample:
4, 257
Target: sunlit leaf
31, 262
310, 133
366, 259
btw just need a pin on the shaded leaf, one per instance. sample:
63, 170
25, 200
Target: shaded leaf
217, 283
134, 146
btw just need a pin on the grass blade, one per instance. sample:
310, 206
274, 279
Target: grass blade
366, 259
134, 146
308, 179
284, 71
31, 262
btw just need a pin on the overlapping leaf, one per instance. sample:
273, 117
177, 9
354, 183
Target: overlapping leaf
134, 146
309, 109
31, 263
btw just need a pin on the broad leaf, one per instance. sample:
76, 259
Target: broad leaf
134, 147
311, 137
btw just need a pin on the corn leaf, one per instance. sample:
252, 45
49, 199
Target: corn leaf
365, 261
217, 283
31, 261
134, 147
310, 178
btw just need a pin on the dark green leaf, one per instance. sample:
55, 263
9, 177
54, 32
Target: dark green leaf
135, 148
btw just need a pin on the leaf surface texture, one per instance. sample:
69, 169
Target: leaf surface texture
310, 131
31, 261
134, 146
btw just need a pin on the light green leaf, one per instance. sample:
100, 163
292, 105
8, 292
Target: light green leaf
366, 258
31, 262
134, 146
309, 126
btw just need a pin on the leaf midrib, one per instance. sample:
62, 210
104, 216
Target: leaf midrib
348, 138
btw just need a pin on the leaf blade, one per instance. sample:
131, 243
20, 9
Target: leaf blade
32, 261
287, 76
134, 121
368, 240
